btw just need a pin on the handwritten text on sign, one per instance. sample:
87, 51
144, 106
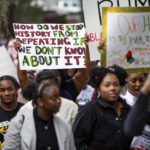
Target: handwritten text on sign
50, 46
93, 19
128, 39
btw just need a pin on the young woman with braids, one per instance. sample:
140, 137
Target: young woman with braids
39, 128
99, 124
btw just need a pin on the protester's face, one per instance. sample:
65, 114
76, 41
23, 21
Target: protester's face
51, 101
110, 88
7, 92
135, 82
58, 77
70, 72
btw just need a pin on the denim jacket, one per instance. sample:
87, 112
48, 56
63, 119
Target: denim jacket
97, 125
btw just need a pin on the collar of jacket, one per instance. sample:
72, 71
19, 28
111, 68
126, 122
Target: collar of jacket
105, 104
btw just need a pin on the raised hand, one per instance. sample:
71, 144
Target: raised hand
146, 87
86, 39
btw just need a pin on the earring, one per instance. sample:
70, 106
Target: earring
41, 105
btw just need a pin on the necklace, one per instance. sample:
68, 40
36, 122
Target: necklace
47, 125
49, 148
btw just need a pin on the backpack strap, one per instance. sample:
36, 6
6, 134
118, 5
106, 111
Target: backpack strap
70, 96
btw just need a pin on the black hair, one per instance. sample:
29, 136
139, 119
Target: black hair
46, 74
120, 73
145, 74
12, 79
96, 74
31, 90
64, 76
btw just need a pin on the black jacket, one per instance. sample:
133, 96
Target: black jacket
97, 125
139, 116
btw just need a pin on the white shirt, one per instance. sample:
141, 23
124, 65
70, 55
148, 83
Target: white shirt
130, 99
85, 95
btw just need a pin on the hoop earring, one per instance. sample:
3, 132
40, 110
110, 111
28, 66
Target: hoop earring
41, 105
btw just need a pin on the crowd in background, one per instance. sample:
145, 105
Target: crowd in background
73, 109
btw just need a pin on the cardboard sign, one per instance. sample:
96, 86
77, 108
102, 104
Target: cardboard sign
7, 66
126, 32
93, 19
50, 46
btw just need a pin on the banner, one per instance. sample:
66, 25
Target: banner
50, 46
93, 19
7, 66
126, 33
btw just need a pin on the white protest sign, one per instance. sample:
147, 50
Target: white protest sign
127, 35
93, 18
50, 46
7, 66
142, 140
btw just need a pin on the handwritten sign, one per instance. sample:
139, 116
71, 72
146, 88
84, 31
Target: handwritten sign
127, 37
50, 46
93, 19
142, 139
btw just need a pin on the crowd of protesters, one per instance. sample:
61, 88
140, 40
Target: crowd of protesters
93, 108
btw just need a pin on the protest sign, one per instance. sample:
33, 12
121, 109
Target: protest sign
142, 140
12, 51
50, 46
7, 67
93, 18
126, 33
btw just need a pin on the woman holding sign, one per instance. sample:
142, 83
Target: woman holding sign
70, 88
139, 115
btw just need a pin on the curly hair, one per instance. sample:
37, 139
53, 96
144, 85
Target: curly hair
96, 74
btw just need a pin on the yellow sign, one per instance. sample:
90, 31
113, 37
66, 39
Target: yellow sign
126, 34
